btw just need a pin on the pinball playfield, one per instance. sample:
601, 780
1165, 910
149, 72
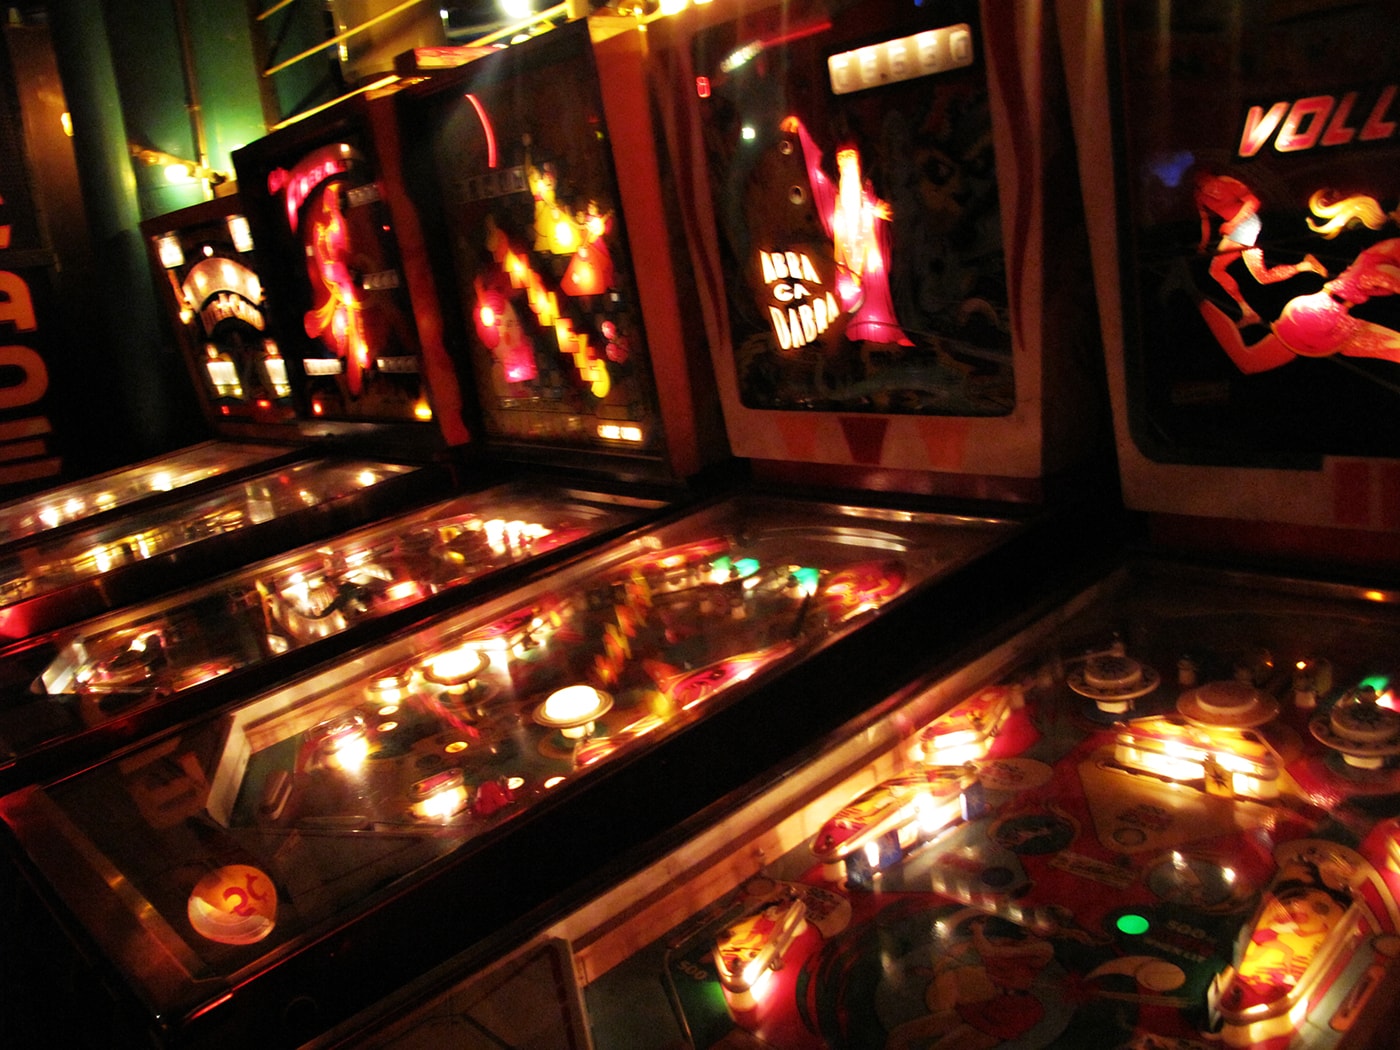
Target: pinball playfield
1170, 820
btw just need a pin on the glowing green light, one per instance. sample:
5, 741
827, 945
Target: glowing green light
1133, 925
1378, 682
807, 578
746, 566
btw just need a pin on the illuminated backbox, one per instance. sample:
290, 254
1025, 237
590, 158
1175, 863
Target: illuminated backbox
210, 283
351, 302
882, 218
536, 172
1245, 260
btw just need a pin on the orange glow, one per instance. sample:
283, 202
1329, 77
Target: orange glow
582, 277
545, 306
308, 173
337, 320
235, 904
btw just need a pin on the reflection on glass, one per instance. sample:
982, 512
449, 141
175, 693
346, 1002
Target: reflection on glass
35, 514
103, 669
342, 784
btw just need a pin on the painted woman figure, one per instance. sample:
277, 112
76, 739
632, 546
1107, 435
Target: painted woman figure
857, 222
983, 990
1236, 207
1321, 324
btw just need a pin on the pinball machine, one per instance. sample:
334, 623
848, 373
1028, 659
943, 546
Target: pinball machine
1160, 809
270, 480
262, 871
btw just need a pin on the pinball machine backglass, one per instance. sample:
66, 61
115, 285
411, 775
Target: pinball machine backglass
1239, 162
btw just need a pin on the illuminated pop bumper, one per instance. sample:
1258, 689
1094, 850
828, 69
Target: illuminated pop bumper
573, 710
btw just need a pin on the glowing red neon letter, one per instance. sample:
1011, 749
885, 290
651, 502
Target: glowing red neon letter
1258, 126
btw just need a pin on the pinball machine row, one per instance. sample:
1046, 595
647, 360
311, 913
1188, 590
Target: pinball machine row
1165, 813
282, 469
309, 313
74, 694
265, 870
309, 317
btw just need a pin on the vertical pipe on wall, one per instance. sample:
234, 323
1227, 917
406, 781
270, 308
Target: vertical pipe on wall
192, 100
123, 334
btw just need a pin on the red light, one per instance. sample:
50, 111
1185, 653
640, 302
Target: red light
316, 408
264, 403
224, 409
702, 86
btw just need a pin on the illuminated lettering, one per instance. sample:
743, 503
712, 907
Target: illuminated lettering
780, 328
1376, 126
1317, 120
1337, 133
806, 311
17, 307
33, 379
224, 306
1304, 124
308, 173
